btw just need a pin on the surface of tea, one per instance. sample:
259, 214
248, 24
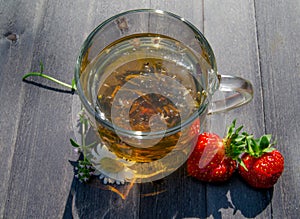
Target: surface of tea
160, 71
147, 83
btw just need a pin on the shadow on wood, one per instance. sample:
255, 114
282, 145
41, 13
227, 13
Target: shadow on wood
176, 196
48, 87
96, 200
249, 201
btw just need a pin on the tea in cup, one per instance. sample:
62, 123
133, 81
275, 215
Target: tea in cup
146, 80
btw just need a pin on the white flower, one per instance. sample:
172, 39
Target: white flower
110, 168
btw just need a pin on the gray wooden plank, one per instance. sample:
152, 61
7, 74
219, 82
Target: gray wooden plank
278, 36
230, 28
191, 10
38, 176
179, 196
16, 41
41, 184
37, 179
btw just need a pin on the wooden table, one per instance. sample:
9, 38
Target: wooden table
258, 40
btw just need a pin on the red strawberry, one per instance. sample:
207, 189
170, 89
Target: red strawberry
263, 164
214, 159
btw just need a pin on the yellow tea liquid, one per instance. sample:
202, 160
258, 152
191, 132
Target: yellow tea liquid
147, 83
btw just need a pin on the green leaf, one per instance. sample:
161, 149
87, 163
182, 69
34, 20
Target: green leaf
268, 150
74, 143
241, 162
249, 141
238, 129
268, 136
241, 145
256, 144
264, 141
240, 138
231, 128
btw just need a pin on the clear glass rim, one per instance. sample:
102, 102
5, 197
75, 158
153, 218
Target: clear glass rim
108, 124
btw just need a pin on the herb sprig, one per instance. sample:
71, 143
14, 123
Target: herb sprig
84, 168
41, 74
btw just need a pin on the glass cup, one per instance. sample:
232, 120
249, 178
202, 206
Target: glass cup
146, 80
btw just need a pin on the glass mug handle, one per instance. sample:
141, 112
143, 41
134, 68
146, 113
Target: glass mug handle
237, 92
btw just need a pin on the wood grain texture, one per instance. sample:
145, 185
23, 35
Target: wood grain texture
231, 30
39, 177
14, 60
191, 10
253, 39
278, 27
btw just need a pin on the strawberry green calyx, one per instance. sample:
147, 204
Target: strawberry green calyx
234, 142
257, 147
